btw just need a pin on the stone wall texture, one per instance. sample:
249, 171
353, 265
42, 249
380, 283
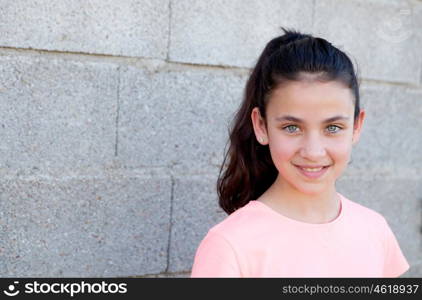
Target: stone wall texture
114, 119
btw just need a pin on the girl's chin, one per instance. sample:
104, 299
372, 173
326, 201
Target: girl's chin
313, 189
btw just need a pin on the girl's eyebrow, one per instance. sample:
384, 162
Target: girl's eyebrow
294, 119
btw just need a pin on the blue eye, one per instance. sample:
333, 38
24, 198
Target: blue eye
334, 126
290, 126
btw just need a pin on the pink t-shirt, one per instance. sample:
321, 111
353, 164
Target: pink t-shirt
257, 241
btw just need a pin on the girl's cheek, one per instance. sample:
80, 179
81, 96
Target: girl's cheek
285, 148
339, 143
342, 144
340, 153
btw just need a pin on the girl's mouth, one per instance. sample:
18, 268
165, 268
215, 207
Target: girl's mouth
312, 173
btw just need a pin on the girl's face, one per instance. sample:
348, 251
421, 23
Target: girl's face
310, 125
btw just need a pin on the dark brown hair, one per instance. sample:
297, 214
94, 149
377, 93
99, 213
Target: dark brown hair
250, 170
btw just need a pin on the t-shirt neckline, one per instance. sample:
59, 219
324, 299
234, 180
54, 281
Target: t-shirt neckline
282, 217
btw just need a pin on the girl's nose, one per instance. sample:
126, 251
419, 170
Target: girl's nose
313, 148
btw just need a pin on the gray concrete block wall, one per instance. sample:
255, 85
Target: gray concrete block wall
114, 120
187, 132
381, 35
56, 114
230, 33
126, 27
93, 226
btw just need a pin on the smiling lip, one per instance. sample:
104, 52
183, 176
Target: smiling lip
311, 167
310, 174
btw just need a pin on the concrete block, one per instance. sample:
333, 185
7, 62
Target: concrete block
176, 117
195, 211
414, 271
380, 35
93, 227
417, 25
127, 28
391, 138
231, 33
56, 113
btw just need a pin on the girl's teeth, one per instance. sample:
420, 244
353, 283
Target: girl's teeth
312, 170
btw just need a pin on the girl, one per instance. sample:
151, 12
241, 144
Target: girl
291, 140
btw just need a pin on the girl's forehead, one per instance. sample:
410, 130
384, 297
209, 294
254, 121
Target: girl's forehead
312, 97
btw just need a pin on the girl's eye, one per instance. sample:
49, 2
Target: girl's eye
290, 128
334, 128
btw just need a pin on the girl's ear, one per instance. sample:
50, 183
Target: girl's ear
259, 126
357, 128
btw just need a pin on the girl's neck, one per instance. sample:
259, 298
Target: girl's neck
310, 208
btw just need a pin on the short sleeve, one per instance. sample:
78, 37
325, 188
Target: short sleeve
395, 263
215, 257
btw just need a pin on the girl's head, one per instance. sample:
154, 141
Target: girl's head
300, 108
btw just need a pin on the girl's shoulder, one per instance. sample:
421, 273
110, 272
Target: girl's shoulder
243, 221
356, 209
363, 215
